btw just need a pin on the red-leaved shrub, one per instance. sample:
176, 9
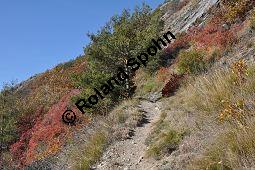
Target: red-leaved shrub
172, 85
180, 43
214, 35
47, 135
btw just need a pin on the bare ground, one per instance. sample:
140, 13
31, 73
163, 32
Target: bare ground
129, 154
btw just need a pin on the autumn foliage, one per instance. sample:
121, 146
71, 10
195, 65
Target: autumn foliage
46, 136
172, 85
214, 35
180, 43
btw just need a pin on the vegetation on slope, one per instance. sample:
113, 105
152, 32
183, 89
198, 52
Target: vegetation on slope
215, 104
32, 123
221, 99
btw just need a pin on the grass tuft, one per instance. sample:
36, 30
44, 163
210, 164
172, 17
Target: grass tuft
93, 150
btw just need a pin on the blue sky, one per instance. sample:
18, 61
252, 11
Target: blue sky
37, 35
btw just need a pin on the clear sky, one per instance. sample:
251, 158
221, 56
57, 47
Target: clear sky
36, 35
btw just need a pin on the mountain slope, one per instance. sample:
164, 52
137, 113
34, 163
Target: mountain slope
204, 121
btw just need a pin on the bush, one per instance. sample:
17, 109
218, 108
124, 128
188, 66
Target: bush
182, 42
238, 9
9, 114
172, 85
163, 74
213, 35
191, 62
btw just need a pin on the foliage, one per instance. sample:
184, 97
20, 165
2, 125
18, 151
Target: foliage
237, 9
44, 137
213, 35
191, 62
182, 42
172, 85
23, 105
234, 112
91, 79
9, 114
216, 96
162, 74
122, 38
239, 70
211, 94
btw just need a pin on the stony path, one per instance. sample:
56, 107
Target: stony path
129, 154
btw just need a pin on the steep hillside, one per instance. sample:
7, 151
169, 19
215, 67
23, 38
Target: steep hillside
190, 107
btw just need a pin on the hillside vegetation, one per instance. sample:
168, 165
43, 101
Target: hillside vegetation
204, 83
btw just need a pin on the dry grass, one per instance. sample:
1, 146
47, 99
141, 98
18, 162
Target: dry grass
93, 150
252, 20
234, 149
209, 94
163, 139
121, 112
146, 83
223, 99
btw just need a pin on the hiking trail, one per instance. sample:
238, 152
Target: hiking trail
130, 153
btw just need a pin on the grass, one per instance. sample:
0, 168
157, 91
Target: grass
146, 83
252, 20
224, 98
166, 142
93, 150
234, 149
124, 111
163, 140
209, 94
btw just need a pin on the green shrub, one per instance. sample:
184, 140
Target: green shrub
9, 114
191, 62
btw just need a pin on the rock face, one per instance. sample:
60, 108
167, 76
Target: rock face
181, 20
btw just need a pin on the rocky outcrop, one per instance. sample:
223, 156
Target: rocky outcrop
181, 20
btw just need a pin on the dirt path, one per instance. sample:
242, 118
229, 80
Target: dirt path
129, 154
